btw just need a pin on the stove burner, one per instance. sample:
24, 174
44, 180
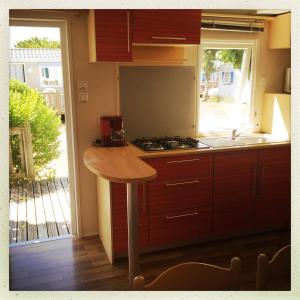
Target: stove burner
168, 143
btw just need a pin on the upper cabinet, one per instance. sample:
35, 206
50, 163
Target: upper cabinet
280, 32
110, 35
113, 31
166, 26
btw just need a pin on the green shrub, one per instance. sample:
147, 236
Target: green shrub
27, 105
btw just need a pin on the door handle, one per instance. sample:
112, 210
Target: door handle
254, 180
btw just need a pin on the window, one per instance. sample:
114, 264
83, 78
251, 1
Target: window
225, 87
51, 76
17, 71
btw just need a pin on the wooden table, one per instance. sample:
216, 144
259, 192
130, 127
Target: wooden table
119, 164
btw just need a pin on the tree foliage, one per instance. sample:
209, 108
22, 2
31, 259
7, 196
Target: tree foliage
234, 56
26, 105
36, 42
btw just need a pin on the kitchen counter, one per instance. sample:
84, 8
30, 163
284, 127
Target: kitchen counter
173, 182
134, 150
117, 164
129, 167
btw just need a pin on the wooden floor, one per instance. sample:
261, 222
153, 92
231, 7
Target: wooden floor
71, 264
39, 210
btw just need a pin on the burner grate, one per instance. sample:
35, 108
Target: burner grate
168, 143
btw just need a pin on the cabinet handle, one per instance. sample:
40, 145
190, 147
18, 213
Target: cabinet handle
262, 174
182, 183
144, 197
254, 180
182, 216
128, 33
181, 161
168, 38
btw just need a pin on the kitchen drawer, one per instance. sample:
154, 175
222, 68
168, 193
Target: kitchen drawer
173, 195
184, 166
183, 226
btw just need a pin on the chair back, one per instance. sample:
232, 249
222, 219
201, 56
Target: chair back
194, 276
274, 274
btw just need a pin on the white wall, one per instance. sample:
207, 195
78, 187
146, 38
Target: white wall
102, 89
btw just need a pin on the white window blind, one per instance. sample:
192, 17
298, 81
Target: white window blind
232, 24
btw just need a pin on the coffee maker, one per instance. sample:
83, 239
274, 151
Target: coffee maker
112, 131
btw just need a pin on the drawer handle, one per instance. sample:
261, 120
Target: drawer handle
181, 161
182, 216
182, 183
128, 32
168, 38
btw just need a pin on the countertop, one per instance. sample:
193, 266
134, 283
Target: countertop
117, 164
125, 164
152, 154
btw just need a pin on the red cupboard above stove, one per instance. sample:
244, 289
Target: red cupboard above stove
166, 26
111, 32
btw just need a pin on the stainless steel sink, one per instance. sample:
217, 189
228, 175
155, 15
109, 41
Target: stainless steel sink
222, 142
250, 140
219, 142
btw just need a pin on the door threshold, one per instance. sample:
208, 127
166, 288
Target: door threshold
54, 238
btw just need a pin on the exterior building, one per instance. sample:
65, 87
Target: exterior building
41, 69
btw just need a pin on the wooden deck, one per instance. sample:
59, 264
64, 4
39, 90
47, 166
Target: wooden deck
39, 210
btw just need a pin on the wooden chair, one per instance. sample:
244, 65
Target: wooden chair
274, 274
193, 276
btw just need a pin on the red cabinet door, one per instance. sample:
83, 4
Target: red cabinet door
234, 191
166, 26
273, 202
119, 218
113, 34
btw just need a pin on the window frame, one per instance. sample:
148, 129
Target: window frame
24, 69
49, 73
232, 44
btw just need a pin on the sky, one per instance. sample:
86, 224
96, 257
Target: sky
19, 33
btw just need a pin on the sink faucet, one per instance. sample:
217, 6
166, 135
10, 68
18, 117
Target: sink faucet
234, 133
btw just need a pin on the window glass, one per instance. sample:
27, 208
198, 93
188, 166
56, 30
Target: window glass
17, 71
225, 88
51, 76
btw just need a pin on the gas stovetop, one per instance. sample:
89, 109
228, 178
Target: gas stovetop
168, 143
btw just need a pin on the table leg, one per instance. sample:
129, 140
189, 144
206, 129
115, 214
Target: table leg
132, 221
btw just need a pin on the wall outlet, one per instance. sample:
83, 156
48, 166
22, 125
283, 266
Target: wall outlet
83, 97
83, 85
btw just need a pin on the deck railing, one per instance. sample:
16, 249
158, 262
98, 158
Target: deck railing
55, 100
21, 163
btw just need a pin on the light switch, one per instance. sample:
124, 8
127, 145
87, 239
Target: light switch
83, 97
83, 85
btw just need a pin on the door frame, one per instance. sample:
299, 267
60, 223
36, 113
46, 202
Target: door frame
70, 115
